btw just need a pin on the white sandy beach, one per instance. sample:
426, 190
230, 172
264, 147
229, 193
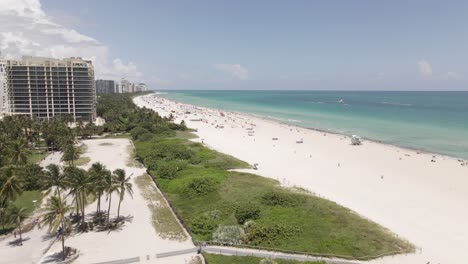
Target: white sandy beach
422, 201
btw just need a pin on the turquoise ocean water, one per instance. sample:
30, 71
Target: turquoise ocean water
430, 121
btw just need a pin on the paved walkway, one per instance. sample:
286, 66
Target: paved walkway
233, 252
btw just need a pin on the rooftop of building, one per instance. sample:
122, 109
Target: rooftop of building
46, 61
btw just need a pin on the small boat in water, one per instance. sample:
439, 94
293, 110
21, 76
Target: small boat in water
341, 101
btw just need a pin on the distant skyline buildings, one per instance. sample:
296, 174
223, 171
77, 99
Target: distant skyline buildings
124, 86
105, 86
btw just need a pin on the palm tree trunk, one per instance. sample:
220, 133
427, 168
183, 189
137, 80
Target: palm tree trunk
83, 209
108, 209
63, 240
118, 209
77, 202
21, 237
98, 209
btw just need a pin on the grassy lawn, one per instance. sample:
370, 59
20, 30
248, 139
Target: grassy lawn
37, 155
249, 210
81, 161
163, 220
185, 134
26, 200
223, 259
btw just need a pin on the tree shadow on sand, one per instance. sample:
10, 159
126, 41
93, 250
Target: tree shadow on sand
18, 242
55, 257
49, 236
116, 224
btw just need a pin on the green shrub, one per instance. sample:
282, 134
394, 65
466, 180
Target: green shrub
163, 130
200, 186
202, 225
180, 127
167, 150
231, 235
246, 211
146, 136
279, 198
169, 169
30, 176
137, 132
267, 234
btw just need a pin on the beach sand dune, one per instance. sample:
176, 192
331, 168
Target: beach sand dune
421, 197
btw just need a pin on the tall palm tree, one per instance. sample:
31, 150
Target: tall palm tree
69, 149
70, 153
19, 152
12, 186
54, 216
8, 191
111, 186
53, 178
124, 186
36, 137
80, 185
98, 174
3, 215
16, 216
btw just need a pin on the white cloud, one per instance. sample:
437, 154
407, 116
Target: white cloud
380, 76
25, 29
129, 70
425, 69
158, 81
235, 70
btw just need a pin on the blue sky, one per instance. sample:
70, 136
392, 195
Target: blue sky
396, 45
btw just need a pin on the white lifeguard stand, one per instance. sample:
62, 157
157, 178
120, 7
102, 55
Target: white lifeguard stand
356, 140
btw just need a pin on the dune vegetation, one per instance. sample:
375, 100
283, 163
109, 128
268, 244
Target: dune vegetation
223, 259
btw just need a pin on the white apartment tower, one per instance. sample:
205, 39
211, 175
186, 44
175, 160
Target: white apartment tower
3, 88
46, 87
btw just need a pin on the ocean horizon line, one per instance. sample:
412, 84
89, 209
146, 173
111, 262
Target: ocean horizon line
305, 90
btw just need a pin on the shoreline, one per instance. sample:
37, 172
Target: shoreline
398, 188
270, 119
421, 151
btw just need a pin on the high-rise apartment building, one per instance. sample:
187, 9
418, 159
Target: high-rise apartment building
118, 88
141, 87
125, 86
3, 88
105, 86
46, 87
